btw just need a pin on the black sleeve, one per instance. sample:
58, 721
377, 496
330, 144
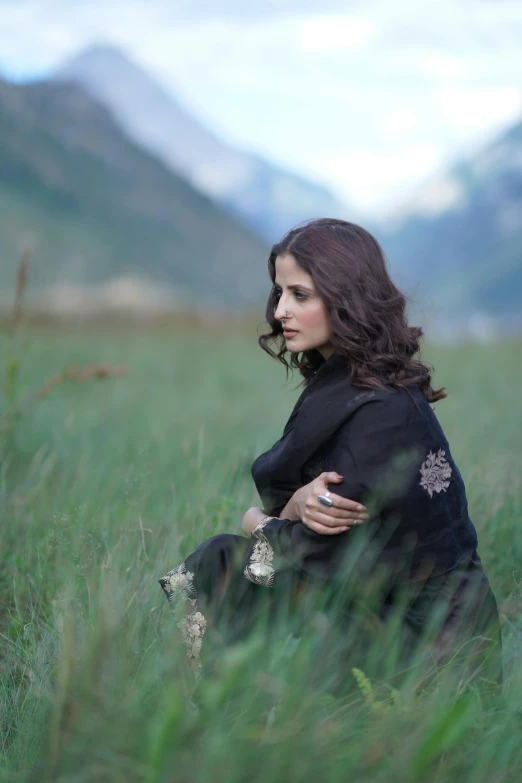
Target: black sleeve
372, 452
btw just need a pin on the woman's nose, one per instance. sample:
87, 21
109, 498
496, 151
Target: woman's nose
281, 310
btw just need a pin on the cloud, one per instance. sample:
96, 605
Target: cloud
457, 28
333, 31
476, 108
373, 179
183, 10
368, 97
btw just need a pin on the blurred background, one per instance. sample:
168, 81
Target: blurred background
152, 152
150, 155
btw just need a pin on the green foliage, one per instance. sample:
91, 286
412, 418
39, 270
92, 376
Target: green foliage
112, 484
14, 349
368, 692
11, 374
446, 728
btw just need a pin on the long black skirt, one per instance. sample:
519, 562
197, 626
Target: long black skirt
451, 618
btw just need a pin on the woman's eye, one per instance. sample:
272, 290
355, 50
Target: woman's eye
299, 295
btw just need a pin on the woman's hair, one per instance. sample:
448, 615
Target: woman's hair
366, 311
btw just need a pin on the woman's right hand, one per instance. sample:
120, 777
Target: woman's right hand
327, 520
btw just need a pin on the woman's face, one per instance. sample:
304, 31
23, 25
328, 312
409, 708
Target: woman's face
299, 297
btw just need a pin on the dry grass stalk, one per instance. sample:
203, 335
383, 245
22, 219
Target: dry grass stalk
74, 374
80, 375
21, 283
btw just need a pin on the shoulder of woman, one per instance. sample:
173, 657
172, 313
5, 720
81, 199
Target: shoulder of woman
385, 399
382, 410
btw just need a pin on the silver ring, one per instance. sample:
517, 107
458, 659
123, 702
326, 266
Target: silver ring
324, 500
327, 493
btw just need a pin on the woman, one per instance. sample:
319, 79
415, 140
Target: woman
361, 489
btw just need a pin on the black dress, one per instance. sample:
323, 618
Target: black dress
395, 458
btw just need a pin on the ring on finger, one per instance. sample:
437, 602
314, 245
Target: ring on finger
325, 500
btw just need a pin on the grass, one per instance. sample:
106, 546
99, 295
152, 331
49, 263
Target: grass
106, 484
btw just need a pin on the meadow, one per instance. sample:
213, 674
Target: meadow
107, 481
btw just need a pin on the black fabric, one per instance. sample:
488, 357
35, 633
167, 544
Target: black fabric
230, 602
381, 442
395, 458
466, 636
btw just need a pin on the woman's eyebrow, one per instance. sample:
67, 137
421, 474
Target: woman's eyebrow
305, 287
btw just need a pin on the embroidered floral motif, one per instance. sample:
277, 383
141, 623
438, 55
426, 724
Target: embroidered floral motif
434, 471
260, 571
179, 588
193, 628
179, 579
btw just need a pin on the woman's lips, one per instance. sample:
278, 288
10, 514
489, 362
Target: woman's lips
289, 333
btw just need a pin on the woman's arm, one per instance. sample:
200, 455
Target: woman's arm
327, 520
290, 511
365, 452
303, 506
251, 519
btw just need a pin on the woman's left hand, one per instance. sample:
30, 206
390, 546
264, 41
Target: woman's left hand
251, 518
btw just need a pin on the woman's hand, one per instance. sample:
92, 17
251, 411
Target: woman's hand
328, 520
303, 505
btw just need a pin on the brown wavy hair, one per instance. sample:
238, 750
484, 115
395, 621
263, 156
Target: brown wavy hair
366, 311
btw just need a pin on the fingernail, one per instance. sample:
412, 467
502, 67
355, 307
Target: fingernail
360, 508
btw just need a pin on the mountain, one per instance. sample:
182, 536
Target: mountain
97, 207
460, 239
264, 196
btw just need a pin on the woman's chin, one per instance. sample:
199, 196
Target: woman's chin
296, 344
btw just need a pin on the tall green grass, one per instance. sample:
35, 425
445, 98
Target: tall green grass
107, 484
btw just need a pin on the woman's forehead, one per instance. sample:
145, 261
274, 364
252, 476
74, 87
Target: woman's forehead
289, 272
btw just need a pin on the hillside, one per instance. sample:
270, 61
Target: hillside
461, 237
95, 206
267, 198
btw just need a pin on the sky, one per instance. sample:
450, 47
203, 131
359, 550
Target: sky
370, 98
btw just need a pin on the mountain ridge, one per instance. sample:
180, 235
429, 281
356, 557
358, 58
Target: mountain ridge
466, 253
98, 206
266, 197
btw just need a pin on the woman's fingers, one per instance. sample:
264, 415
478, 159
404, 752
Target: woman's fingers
326, 520
334, 514
325, 530
345, 504
329, 476
339, 501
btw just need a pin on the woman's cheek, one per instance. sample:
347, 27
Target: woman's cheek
315, 319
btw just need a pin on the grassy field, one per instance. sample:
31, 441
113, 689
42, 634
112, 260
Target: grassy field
107, 483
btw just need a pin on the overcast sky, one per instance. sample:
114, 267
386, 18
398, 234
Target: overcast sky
369, 97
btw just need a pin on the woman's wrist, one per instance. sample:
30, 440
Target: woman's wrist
291, 510
252, 517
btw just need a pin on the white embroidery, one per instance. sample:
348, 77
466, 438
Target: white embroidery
434, 471
179, 587
193, 628
260, 571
